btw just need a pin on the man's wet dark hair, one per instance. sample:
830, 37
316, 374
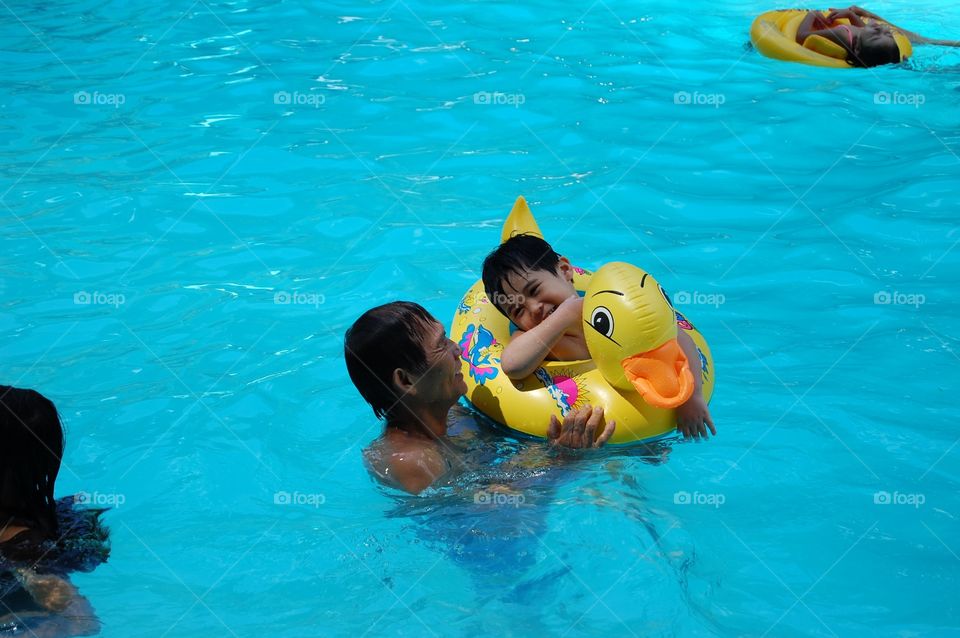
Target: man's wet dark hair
383, 339
31, 449
517, 254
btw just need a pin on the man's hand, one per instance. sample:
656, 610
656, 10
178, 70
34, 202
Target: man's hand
579, 429
693, 418
49, 591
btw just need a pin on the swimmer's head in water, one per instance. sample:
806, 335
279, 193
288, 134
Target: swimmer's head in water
401, 337
383, 339
874, 45
30, 455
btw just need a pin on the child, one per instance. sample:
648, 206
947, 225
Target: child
867, 45
41, 539
533, 287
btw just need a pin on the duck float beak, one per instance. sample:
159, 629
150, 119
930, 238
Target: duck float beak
661, 376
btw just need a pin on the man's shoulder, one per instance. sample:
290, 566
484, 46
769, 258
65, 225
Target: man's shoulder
411, 464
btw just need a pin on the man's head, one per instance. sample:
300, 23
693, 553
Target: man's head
526, 280
398, 353
875, 45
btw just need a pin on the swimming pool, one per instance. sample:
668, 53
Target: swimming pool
200, 198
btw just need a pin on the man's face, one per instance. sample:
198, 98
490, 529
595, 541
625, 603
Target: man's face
442, 382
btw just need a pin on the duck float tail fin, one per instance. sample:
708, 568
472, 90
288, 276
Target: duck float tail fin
520, 221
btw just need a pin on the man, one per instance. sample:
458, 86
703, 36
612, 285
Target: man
401, 361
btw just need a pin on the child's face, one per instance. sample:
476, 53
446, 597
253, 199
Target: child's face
876, 45
531, 296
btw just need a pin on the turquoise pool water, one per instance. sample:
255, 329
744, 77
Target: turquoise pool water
171, 173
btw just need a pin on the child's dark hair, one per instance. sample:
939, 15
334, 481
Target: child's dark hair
383, 339
517, 254
30, 455
876, 55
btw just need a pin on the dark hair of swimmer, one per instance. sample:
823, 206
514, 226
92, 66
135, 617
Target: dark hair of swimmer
874, 45
30, 455
383, 339
518, 254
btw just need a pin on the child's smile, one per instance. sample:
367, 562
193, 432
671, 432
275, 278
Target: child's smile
535, 294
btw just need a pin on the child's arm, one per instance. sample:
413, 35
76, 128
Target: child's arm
816, 24
850, 14
527, 350
570, 347
855, 13
915, 38
693, 417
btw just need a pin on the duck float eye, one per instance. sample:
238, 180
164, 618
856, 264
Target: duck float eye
601, 320
665, 295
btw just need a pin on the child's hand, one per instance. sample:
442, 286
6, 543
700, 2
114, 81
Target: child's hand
571, 310
820, 21
693, 418
863, 13
850, 14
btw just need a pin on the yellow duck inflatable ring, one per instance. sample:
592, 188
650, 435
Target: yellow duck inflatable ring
774, 34
638, 373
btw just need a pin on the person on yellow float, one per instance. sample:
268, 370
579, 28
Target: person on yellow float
837, 38
531, 285
866, 44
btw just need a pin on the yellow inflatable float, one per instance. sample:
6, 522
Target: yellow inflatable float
638, 372
774, 34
